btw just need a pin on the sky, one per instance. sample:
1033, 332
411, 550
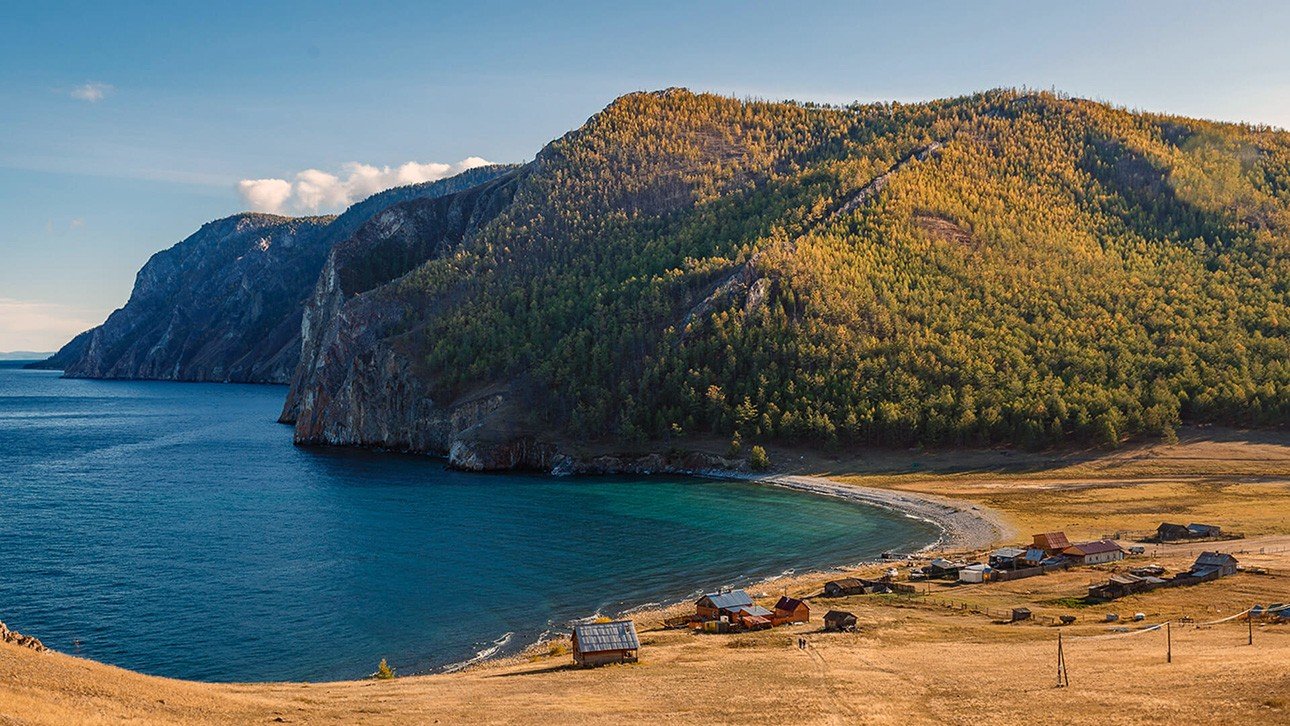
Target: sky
125, 126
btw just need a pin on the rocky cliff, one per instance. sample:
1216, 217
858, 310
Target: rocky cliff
225, 304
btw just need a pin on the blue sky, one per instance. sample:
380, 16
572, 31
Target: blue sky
125, 126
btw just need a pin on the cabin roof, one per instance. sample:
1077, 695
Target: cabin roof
1094, 548
595, 637
845, 582
1008, 552
1052, 540
1214, 559
839, 615
755, 611
727, 600
788, 603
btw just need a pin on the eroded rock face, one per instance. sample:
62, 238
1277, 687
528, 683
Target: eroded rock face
226, 303
356, 383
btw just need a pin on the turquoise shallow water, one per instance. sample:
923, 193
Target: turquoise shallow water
172, 528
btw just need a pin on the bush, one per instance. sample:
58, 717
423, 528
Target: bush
383, 671
758, 458
736, 445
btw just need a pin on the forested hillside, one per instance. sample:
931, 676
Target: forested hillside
1005, 267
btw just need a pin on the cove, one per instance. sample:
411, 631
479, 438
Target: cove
173, 529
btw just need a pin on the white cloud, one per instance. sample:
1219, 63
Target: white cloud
91, 92
314, 191
40, 326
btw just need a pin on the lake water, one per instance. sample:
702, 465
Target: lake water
172, 528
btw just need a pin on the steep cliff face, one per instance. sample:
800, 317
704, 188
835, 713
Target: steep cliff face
356, 383
221, 305
225, 304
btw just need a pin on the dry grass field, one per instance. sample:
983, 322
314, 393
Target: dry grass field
938, 657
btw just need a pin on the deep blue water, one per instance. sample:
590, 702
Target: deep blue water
172, 528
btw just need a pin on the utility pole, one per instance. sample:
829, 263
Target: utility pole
1062, 678
1249, 619
1169, 644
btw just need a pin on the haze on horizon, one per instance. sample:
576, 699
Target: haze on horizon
127, 127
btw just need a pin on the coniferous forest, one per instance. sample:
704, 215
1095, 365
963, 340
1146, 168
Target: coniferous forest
1008, 267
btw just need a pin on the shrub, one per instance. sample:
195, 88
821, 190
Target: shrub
383, 671
758, 458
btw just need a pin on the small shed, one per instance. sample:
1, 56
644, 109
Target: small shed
601, 643
791, 610
844, 586
975, 573
1168, 532
1034, 556
1019, 614
840, 621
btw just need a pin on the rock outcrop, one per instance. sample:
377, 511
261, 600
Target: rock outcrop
25, 641
225, 304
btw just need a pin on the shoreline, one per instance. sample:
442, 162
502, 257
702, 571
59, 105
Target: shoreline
964, 526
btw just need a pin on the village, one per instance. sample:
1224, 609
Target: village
732, 611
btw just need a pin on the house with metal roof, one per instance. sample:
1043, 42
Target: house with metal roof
715, 604
1094, 553
1212, 565
600, 643
1204, 530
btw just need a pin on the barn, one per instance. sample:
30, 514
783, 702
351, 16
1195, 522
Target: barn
601, 643
844, 586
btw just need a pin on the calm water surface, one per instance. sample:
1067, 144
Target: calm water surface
172, 528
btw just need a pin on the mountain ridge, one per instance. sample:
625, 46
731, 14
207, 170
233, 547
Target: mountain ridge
224, 304
939, 273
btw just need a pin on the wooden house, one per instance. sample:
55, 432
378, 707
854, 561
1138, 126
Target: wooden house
844, 586
942, 568
1168, 532
1051, 542
790, 610
1094, 553
1123, 585
601, 643
839, 620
